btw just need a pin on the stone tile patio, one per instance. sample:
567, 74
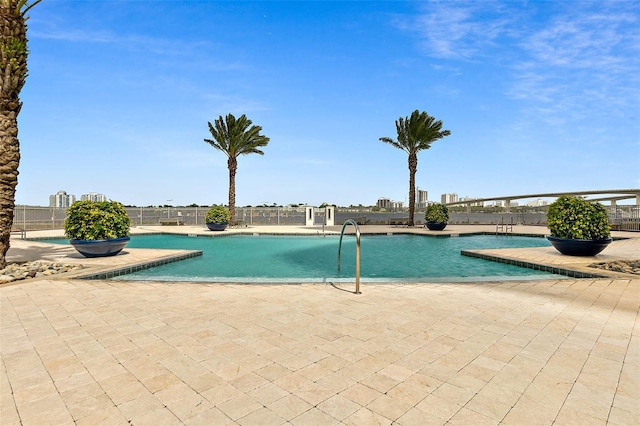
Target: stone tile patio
116, 352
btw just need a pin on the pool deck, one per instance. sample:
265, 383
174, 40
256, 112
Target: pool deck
89, 352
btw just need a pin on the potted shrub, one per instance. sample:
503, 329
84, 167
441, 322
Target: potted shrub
218, 218
97, 228
436, 217
578, 227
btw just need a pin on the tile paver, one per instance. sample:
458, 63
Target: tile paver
102, 352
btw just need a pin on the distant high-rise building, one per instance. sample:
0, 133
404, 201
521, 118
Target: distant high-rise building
396, 205
538, 203
383, 203
422, 199
93, 196
389, 205
448, 198
61, 200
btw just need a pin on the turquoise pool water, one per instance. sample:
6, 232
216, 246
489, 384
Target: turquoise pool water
264, 258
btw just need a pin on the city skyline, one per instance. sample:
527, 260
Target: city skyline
63, 199
539, 97
622, 197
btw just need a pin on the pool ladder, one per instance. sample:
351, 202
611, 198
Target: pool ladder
355, 224
504, 227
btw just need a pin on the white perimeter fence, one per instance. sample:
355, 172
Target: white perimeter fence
622, 217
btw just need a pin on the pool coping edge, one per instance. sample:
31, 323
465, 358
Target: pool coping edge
135, 267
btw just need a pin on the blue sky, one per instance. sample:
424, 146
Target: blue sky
539, 96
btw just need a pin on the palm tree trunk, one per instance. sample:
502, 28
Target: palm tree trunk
9, 161
13, 61
413, 168
232, 164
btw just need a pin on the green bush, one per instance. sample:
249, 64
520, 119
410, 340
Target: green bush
218, 214
576, 218
437, 213
96, 220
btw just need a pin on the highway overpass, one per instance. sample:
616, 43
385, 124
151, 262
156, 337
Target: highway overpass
606, 195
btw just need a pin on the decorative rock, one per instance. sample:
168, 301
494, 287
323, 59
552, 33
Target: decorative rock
624, 266
6, 278
38, 268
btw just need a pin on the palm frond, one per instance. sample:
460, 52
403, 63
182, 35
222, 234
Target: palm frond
417, 132
18, 7
392, 142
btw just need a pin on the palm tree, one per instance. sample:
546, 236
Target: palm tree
416, 133
13, 73
234, 137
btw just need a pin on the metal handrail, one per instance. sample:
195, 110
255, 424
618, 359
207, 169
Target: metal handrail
355, 224
505, 227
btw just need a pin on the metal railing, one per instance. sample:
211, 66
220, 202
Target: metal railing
621, 217
355, 224
624, 218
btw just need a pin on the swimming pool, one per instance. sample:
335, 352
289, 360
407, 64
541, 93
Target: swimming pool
384, 258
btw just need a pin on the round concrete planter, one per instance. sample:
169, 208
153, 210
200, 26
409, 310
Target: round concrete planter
435, 226
574, 247
100, 248
217, 226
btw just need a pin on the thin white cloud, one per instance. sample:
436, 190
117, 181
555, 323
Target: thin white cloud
457, 30
134, 42
584, 40
579, 61
561, 60
74, 35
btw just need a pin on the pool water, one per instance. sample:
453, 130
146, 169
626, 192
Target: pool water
384, 258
